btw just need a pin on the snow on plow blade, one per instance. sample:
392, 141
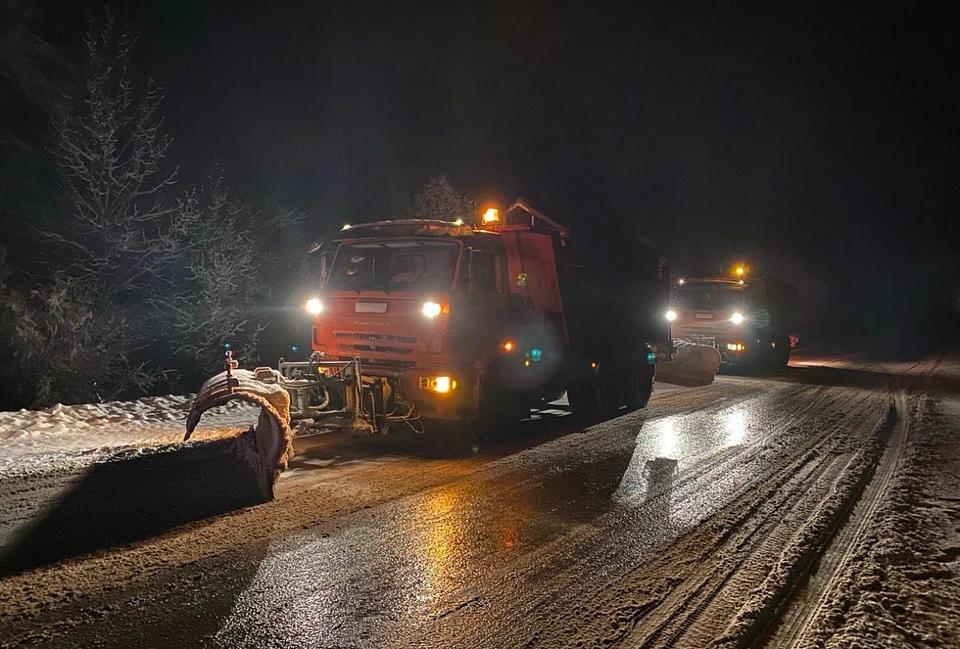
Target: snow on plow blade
692, 366
266, 448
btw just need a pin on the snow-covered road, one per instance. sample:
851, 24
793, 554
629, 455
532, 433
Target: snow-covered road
817, 508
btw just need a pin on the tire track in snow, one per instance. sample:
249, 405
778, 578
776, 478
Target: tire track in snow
787, 497
690, 605
822, 539
798, 619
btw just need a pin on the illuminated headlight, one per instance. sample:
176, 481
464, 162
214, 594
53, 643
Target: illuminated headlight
314, 306
736, 318
431, 309
442, 384
671, 315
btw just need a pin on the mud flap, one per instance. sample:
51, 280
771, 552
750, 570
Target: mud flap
266, 448
692, 366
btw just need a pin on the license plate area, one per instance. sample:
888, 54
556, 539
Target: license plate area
705, 315
370, 307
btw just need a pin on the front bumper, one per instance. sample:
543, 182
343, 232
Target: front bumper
458, 402
732, 350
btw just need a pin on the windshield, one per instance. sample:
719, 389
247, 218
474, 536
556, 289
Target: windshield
394, 266
718, 297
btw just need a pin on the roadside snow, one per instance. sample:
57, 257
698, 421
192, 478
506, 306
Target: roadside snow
90, 428
944, 366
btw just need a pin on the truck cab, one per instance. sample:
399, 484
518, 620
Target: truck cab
426, 306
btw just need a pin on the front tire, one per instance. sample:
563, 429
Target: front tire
500, 411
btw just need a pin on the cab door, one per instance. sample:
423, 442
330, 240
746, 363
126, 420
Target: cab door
480, 314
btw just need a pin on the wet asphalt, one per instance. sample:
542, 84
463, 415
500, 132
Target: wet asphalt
499, 555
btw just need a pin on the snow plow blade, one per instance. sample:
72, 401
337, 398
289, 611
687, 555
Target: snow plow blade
692, 366
267, 447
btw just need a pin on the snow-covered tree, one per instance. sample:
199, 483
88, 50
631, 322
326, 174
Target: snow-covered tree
74, 319
220, 276
133, 269
111, 147
67, 345
439, 200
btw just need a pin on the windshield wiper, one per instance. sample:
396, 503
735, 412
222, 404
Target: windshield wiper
377, 286
350, 284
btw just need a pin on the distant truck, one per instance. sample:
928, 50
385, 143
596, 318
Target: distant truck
745, 319
423, 319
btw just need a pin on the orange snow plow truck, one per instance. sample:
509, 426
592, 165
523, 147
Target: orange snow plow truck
745, 319
433, 320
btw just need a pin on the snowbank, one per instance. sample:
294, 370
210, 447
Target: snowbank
92, 428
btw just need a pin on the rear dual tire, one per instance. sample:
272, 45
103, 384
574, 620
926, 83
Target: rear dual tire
611, 389
640, 386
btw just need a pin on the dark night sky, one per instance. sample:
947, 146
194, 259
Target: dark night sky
716, 130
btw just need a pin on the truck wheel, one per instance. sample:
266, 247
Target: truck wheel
639, 386
583, 399
496, 419
783, 352
611, 388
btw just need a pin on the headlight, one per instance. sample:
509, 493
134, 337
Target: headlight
314, 306
736, 318
671, 315
431, 309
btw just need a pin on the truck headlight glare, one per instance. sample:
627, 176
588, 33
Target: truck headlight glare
431, 309
314, 306
736, 318
671, 315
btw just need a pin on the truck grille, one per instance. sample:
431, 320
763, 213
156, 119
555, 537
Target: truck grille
348, 342
381, 362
